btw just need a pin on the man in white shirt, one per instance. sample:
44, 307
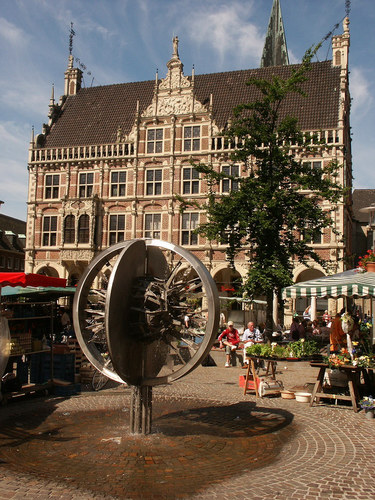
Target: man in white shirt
250, 336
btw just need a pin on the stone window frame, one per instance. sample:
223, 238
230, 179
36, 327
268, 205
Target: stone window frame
153, 184
118, 184
188, 237
152, 225
228, 185
85, 184
154, 140
83, 232
190, 181
116, 230
70, 229
51, 186
314, 164
192, 137
49, 231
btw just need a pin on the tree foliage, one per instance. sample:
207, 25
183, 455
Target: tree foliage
277, 208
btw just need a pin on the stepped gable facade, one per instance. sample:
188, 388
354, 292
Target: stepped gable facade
111, 158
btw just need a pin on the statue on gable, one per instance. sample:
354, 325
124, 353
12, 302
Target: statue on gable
175, 47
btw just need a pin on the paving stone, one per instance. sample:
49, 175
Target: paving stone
209, 441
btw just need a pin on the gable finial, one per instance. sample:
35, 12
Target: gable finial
175, 47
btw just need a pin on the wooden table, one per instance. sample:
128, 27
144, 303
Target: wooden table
251, 371
353, 373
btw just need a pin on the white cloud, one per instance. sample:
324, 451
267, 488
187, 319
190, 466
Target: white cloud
361, 92
14, 140
228, 32
12, 33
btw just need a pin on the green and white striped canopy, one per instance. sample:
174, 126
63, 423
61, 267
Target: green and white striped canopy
351, 283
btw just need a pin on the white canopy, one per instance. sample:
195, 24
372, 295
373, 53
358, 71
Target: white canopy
353, 283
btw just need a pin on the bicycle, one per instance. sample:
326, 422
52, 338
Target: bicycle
99, 380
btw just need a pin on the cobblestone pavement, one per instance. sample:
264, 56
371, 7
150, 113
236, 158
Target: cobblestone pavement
209, 441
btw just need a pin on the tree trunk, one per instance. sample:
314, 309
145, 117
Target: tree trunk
269, 318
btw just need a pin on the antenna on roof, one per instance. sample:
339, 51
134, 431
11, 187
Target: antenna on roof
347, 7
71, 35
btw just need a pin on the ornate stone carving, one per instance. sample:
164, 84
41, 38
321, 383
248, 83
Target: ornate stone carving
85, 255
175, 80
175, 105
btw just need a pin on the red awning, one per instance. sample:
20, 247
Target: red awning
29, 279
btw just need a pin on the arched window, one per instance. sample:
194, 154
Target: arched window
83, 229
338, 58
69, 229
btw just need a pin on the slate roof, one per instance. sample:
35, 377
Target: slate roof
8, 223
362, 198
93, 115
10, 231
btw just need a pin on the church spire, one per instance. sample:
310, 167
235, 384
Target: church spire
275, 52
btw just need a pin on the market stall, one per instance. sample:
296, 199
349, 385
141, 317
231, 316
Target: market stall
353, 363
28, 310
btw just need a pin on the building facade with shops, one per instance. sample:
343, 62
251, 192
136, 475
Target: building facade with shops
109, 162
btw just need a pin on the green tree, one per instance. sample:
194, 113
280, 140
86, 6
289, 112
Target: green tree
278, 197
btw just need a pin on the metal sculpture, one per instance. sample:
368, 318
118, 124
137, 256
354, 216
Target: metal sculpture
146, 312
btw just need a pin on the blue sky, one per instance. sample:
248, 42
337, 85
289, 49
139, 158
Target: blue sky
126, 40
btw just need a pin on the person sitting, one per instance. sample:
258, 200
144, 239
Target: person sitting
315, 328
302, 329
230, 339
250, 336
294, 332
307, 313
326, 317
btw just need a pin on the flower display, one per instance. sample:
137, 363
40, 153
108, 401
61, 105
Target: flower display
367, 403
356, 359
365, 326
368, 257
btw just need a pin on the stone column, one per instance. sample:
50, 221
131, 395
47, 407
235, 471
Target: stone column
141, 409
313, 308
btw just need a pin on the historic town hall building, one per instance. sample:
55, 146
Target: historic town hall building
107, 165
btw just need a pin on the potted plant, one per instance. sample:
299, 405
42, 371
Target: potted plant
367, 261
368, 404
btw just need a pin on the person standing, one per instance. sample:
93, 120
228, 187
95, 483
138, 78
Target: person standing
230, 339
337, 335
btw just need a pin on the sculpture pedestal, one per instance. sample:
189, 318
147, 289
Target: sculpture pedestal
141, 409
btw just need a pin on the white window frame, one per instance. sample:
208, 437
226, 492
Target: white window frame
314, 164
154, 141
190, 180
192, 138
228, 185
116, 228
85, 184
49, 230
189, 222
51, 186
119, 184
152, 183
152, 225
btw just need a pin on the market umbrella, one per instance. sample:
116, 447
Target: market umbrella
353, 283
30, 279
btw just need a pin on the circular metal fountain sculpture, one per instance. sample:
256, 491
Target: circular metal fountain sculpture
145, 312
